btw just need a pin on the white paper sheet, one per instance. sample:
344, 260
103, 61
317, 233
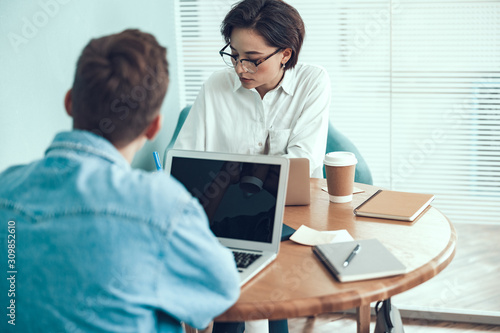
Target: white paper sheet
308, 236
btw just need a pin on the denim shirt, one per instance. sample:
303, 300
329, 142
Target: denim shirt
101, 247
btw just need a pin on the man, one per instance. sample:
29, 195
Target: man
93, 245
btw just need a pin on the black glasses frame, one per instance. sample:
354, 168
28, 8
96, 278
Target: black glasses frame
255, 62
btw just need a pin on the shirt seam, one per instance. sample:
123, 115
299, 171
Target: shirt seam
71, 146
84, 211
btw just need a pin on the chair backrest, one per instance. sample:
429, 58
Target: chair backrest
182, 118
336, 142
339, 142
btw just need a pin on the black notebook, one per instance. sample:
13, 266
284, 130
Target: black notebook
373, 260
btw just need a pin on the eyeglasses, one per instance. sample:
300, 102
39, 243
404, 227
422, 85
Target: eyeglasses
248, 65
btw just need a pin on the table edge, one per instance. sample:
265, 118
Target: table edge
316, 305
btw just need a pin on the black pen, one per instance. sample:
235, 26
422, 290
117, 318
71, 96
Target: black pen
353, 253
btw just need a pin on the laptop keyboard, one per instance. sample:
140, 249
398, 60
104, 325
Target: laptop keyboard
244, 259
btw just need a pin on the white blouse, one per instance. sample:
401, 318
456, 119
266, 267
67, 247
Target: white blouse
291, 120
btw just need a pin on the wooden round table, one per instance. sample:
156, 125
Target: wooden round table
297, 284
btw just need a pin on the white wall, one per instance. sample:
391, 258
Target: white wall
40, 42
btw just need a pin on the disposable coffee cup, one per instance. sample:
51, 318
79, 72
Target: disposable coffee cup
340, 167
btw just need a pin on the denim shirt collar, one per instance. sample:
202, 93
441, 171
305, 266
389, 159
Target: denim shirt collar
87, 142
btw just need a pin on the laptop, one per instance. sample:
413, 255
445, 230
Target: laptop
244, 198
298, 189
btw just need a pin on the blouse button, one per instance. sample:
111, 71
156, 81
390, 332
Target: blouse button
260, 144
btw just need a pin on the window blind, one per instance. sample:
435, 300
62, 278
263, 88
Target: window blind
415, 85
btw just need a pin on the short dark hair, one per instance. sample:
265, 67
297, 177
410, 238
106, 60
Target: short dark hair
120, 83
279, 23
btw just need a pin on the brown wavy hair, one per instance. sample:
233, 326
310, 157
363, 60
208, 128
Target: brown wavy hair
120, 83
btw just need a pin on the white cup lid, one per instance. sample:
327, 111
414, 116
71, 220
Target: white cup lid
340, 158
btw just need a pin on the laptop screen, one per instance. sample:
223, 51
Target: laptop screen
238, 197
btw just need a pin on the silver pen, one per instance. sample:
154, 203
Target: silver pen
351, 255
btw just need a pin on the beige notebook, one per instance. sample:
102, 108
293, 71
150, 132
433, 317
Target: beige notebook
395, 205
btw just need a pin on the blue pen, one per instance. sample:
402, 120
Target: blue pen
157, 161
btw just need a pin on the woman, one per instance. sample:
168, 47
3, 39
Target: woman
268, 104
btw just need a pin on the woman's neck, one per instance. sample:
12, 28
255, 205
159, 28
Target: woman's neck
264, 89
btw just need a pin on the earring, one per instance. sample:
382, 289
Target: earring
283, 65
